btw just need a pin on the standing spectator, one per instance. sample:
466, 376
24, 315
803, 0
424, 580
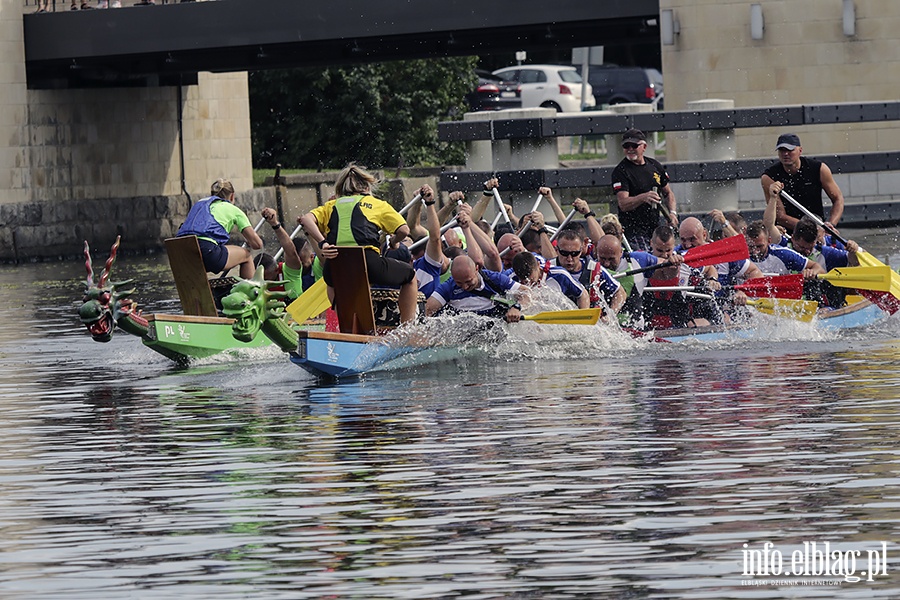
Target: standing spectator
644, 197
804, 179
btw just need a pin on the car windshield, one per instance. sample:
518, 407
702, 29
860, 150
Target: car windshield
570, 76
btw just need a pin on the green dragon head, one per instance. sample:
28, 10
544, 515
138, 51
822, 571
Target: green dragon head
252, 302
104, 305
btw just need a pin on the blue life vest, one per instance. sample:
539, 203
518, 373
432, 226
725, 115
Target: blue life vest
202, 223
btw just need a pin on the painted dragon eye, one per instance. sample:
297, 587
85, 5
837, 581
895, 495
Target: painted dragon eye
104, 297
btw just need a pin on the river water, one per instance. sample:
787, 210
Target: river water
580, 465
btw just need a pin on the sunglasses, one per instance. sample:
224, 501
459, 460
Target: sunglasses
570, 253
630, 146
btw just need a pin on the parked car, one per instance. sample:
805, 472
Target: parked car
548, 86
613, 84
493, 93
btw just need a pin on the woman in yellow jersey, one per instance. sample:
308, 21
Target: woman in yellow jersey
355, 218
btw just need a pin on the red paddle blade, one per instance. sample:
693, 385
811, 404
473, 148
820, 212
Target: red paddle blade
725, 250
779, 286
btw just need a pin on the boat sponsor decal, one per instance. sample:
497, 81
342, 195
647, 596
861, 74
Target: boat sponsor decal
180, 332
332, 355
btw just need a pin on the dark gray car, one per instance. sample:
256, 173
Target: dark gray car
616, 85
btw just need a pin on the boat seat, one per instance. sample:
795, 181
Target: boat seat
353, 300
194, 289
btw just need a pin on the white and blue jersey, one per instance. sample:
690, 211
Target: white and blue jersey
602, 283
428, 274
478, 300
829, 257
781, 261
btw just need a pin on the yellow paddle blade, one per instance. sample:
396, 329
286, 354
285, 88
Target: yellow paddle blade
580, 316
867, 260
862, 278
802, 310
311, 303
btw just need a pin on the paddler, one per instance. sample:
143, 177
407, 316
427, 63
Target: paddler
355, 218
471, 289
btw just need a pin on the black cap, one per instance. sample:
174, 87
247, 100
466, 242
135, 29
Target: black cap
788, 141
633, 136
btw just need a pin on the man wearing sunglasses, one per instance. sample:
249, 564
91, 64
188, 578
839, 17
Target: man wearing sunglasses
642, 190
595, 279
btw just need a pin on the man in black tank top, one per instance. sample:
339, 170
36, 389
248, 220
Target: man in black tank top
804, 180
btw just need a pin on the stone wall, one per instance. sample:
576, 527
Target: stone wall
54, 230
804, 57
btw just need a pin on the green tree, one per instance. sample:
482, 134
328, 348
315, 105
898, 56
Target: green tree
382, 115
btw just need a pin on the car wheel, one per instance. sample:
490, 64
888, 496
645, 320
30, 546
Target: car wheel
552, 105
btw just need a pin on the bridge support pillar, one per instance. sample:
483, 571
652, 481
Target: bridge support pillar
710, 145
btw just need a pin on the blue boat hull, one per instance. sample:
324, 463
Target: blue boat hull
345, 355
860, 314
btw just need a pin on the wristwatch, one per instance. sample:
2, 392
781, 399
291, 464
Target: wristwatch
322, 243
276, 226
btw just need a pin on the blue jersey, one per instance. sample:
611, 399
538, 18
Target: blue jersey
428, 274
478, 300
781, 261
829, 257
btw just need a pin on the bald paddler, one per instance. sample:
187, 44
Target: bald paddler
471, 289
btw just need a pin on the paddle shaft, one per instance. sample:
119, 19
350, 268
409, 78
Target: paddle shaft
500, 204
424, 240
814, 217
410, 204
563, 224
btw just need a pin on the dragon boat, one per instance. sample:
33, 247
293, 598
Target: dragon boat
369, 338
197, 333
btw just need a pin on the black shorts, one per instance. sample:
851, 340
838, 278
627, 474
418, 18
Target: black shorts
215, 256
382, 271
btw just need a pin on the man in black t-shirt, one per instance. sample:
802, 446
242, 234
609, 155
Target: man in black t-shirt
804, 180
642, 190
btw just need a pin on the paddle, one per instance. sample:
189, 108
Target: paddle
778, 286
726, 250
888, 300
802, 310
311, 303
878, 279
579, 316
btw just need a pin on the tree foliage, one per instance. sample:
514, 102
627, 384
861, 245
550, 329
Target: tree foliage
380, 114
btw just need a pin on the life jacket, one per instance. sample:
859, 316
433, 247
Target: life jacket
348, 226
666, 309
201, 222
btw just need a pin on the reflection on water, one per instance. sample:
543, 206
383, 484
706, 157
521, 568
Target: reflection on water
560, 466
